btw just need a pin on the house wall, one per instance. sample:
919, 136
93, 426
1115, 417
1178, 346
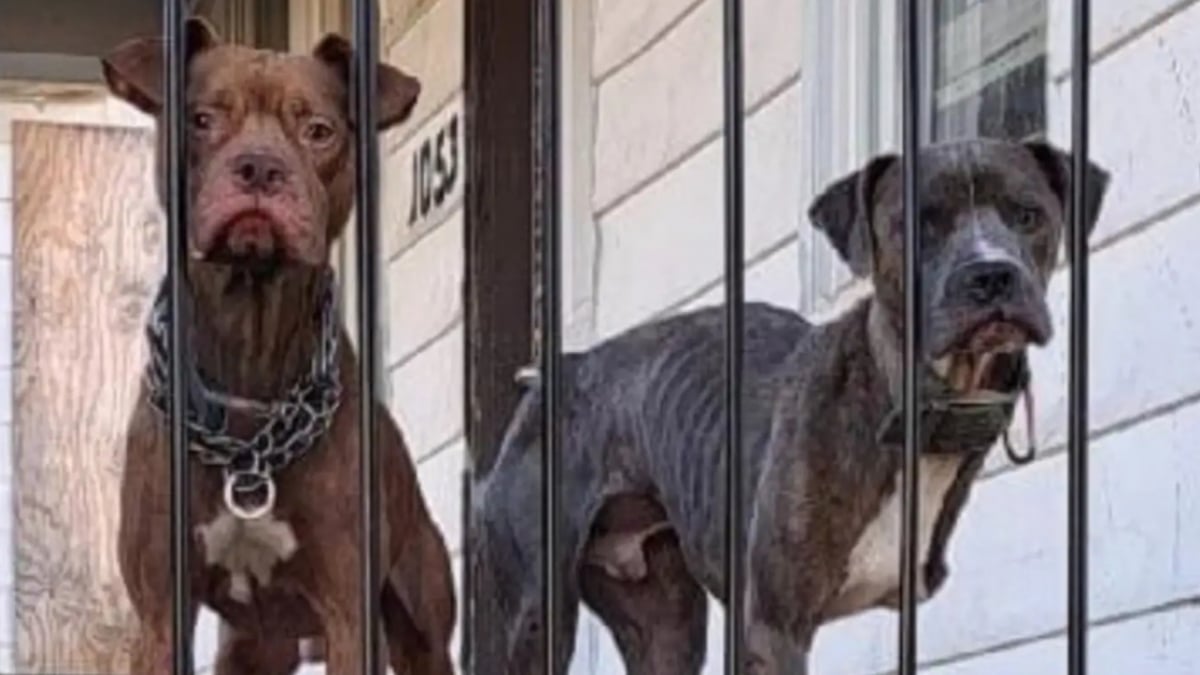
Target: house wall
423, 242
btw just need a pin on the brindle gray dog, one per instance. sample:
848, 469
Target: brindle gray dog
644, 460
270, 181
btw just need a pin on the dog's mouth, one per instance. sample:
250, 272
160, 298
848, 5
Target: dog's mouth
248, 240
980, 355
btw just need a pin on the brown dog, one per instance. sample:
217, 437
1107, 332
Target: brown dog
275, 398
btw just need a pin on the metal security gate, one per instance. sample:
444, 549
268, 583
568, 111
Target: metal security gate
548, 198
548, 191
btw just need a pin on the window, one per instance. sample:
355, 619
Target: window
988, 69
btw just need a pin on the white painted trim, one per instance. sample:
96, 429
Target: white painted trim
849, 113
580, 234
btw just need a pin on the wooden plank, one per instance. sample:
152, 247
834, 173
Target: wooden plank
88, 245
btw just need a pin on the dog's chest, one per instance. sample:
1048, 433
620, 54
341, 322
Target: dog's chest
247, 550
873, 569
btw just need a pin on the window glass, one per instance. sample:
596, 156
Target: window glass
989, 69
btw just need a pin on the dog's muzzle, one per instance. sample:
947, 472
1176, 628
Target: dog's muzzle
250, 239
987, 306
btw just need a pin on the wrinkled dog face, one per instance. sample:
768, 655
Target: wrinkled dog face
270, 141
993, 215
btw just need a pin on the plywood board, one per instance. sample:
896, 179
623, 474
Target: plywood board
88, 242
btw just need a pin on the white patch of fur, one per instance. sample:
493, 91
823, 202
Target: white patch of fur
247, 548
873, 571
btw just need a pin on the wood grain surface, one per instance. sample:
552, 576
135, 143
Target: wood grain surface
87, 257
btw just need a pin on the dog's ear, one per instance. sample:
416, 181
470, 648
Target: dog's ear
134, 69
1056, 165
843, 213
398, 91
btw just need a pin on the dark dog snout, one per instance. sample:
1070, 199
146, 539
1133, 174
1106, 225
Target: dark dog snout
986, 282
259, 173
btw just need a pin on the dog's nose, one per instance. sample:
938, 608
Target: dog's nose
985, 282
259, 172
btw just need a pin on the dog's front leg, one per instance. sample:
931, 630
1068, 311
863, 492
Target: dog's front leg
779, 628
152, 651
795, 556
242, 653
772, 650
343, 644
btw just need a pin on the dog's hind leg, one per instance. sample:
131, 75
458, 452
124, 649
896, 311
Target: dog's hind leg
645, 594
246, 654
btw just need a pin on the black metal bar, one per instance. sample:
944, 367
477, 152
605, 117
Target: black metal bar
466, 653
364, 92
1077, 442
175, 129
912, 340
734, 299
548, 178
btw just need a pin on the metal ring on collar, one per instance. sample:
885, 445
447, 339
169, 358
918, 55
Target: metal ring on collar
255, 512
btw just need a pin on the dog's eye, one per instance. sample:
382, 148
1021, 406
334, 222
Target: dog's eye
202, 120
318, 132
1025, 218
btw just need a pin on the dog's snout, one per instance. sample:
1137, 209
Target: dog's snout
986, 282
259, 172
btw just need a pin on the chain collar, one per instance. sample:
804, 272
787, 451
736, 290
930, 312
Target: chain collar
290, 427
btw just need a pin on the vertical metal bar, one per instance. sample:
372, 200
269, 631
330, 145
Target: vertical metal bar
548, 177
466, 653
734, 296
175, 117
1077, 480
912, 340
364, 92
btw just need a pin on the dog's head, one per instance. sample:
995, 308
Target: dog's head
270, 141
992, 217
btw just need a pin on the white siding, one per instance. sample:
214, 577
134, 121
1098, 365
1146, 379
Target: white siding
423, 324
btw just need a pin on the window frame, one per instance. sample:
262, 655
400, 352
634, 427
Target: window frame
845, 125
